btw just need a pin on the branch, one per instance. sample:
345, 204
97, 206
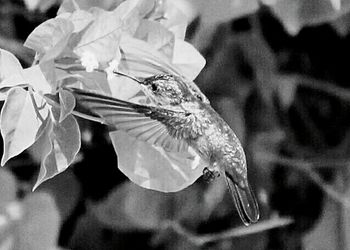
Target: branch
325, 86
200, 240
308, 169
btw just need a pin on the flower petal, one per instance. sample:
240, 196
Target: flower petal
153, 168
187, 59
140, 59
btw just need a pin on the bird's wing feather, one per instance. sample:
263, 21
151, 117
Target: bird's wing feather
163, 127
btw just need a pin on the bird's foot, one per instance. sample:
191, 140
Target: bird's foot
209, 174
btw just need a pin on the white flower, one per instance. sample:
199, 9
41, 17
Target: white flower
89, 61
113, 66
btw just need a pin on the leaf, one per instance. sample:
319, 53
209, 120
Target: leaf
35, 77
48, 70
39, 229
14, 75
41, 149
102, 37
66, 140
67, 103
9, 65
22, 118
59, 145
152, 168
11, 72
50, 38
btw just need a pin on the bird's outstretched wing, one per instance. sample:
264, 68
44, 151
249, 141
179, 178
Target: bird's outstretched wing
170, 129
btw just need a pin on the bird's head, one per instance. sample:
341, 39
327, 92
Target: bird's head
166, 89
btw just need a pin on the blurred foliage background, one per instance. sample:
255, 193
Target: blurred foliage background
277, 71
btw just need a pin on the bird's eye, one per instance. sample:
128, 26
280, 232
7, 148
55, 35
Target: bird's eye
154, 87
199, 97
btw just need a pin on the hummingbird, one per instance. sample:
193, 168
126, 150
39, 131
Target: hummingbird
179, 117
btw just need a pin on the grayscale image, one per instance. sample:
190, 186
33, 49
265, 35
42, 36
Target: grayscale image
175, 124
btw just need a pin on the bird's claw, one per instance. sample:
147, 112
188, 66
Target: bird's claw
210, 174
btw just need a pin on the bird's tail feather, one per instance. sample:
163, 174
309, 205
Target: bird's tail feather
245, 202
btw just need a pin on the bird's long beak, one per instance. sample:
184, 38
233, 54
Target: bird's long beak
128, 76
